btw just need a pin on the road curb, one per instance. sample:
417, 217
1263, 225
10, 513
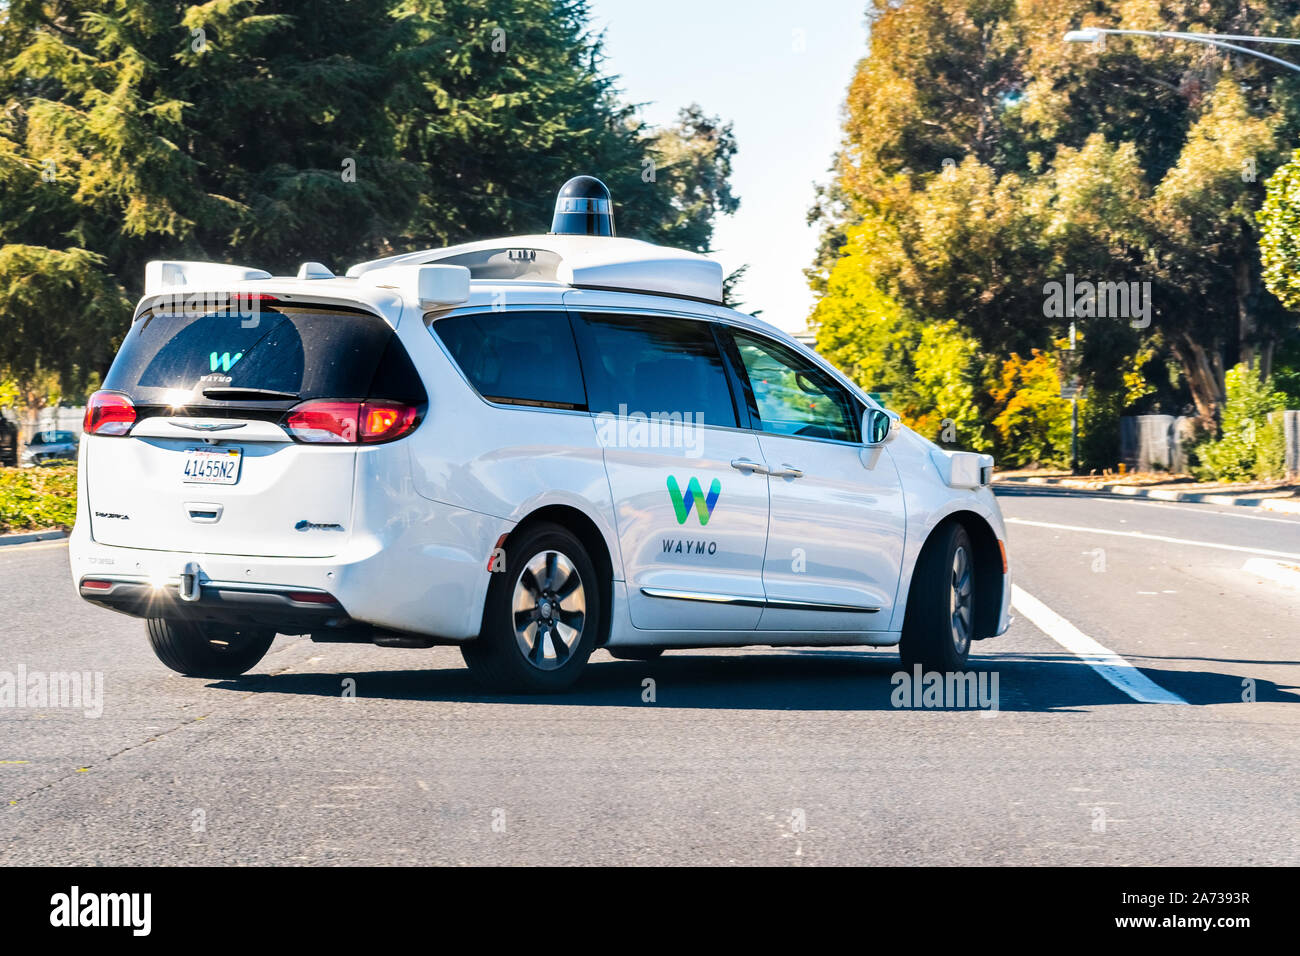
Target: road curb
27, 537
1280, 501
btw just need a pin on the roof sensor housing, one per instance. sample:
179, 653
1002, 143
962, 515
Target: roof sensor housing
583, 208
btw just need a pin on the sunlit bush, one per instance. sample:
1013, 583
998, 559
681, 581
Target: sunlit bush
1252, 445
38, 498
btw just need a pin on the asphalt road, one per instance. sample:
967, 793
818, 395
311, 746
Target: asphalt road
753, 756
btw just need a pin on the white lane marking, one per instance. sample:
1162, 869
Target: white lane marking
1277, 571
1154, 537
1104, 661
1199, 509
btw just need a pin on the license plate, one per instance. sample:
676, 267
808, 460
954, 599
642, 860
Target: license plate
212, 466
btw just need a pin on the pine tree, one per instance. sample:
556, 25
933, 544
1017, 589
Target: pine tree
269, 132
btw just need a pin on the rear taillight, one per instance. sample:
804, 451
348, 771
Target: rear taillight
324, 421
384, 421
109, 413
350, 422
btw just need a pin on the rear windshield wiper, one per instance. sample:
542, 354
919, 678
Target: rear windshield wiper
229, 394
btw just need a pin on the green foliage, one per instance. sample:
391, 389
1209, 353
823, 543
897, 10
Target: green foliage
944, 390
984, 158
59, 313
1032, 420
1099, 444
1286, 372
275, 131
1252, 445
930, 369
1279, 222
38, 498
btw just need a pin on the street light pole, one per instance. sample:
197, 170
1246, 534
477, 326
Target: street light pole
1220, 40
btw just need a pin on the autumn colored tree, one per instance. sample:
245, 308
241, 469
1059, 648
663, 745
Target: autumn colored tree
983, 158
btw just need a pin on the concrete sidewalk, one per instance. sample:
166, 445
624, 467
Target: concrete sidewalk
1269, 497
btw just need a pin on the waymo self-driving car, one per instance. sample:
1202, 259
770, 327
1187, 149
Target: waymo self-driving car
531, 448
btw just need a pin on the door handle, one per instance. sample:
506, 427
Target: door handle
745, 464
786, 471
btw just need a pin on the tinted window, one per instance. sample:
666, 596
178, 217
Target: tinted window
302, 351
652, 364
790, 395
522, 358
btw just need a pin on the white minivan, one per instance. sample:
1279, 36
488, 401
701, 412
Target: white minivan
530, 448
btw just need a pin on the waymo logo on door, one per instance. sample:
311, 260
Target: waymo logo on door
704, 504
225, 361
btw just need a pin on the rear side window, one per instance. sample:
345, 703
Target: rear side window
304, 352
655, 365
518, 358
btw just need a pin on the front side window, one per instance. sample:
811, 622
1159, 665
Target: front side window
791, 395
655, 366
517, 358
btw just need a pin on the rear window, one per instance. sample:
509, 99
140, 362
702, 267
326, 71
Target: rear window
305, 352
518, 358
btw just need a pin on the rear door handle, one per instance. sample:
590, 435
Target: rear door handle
745, 464
786, 471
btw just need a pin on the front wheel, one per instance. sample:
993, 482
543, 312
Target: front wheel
541, 616
207, 650
940, 619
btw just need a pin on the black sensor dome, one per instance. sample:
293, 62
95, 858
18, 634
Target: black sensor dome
583, 208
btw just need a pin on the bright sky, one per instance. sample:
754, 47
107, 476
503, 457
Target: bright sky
779, 71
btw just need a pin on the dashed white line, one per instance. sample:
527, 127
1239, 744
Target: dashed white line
1115, 669
1154, 537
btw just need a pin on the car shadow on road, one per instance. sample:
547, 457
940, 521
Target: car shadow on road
788, 679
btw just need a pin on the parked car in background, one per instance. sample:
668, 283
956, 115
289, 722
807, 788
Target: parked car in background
50, 446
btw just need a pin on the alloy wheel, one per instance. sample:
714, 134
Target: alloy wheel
549, 610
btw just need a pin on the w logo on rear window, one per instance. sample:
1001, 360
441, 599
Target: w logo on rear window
225, 361
694, 496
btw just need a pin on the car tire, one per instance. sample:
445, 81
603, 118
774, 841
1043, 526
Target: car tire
635, 653
207, 650
542, 615
940, 622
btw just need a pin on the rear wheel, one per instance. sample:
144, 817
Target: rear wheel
207, 650
941, 608
541, 617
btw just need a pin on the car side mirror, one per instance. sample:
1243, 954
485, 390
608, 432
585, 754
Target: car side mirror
879, 426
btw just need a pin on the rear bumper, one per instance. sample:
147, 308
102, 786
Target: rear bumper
428, 576
287, 610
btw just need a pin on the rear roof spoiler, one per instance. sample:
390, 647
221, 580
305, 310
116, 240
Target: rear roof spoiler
162, 275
